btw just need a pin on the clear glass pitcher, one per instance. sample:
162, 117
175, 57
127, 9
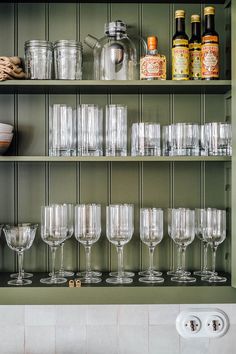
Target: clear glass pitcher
115, 56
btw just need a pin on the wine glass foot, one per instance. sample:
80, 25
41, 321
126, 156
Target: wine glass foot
214, 279
19, 282
64, 273
24, 275
90, 280
151, 280
146, 273
93, 272
117, 280
51, 280
183, 279
177, 273
124, 274
203, 273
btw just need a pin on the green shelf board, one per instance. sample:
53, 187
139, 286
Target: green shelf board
113, 159
113, 86
102, 293
119, 1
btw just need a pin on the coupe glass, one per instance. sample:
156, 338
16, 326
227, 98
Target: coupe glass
119, 230
70, 230
151, 233
87, 232
54, 231
183, 233
200, 225
20, 238
215, 234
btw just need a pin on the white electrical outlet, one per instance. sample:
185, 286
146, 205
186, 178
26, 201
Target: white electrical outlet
195, 323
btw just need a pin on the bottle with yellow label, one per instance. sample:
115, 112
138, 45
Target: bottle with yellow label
210, 47
195, 49
180, 49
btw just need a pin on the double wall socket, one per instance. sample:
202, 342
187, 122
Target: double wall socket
196, 323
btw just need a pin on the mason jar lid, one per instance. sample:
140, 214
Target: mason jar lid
67, 43
115, 27
38, 43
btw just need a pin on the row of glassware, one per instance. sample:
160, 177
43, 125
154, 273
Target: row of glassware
81, 132
60, 221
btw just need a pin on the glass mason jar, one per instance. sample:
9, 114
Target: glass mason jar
38, 59
68, 60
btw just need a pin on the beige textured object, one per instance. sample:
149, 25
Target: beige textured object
10, 68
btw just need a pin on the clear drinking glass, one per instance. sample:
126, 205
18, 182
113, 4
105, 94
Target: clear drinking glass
70, 230
119, 230
192, 139
215, 234
116, 130
68, 60
87, 232
200, 225
151, 234
218, 138
20, 238
90, 130
167, 148
146, 139
182, 225
54, 230
62, 131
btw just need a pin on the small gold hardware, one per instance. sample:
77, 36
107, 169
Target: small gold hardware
78, 283
71, 284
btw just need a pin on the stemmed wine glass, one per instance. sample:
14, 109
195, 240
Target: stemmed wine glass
200, 225
179, 270
119, 230
151, 233
70, 224
54, 230
20, 238
87, 232
215, 234
182, 224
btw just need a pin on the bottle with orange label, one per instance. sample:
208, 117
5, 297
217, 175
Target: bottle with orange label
195, 49
180, 49
153, 64
210, 47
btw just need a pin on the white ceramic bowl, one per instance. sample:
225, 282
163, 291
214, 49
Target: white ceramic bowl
6, 128
6, 136
5, 142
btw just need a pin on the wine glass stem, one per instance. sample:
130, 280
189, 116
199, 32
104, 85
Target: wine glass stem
53, 250
214, 248
183, 249
120, 261
88, 258
20, 265
179, 266
62, 257
205, 248
151, 253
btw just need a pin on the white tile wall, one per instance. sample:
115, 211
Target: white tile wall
110, 329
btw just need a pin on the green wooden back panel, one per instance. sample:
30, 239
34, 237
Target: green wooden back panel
147, 184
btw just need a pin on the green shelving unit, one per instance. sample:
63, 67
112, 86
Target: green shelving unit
29, 178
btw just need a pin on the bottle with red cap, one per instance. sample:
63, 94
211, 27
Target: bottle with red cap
153, 64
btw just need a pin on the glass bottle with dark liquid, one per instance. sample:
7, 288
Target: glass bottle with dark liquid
210, 47
180, 49
195, 49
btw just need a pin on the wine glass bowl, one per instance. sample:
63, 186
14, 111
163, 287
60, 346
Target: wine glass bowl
20, 238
